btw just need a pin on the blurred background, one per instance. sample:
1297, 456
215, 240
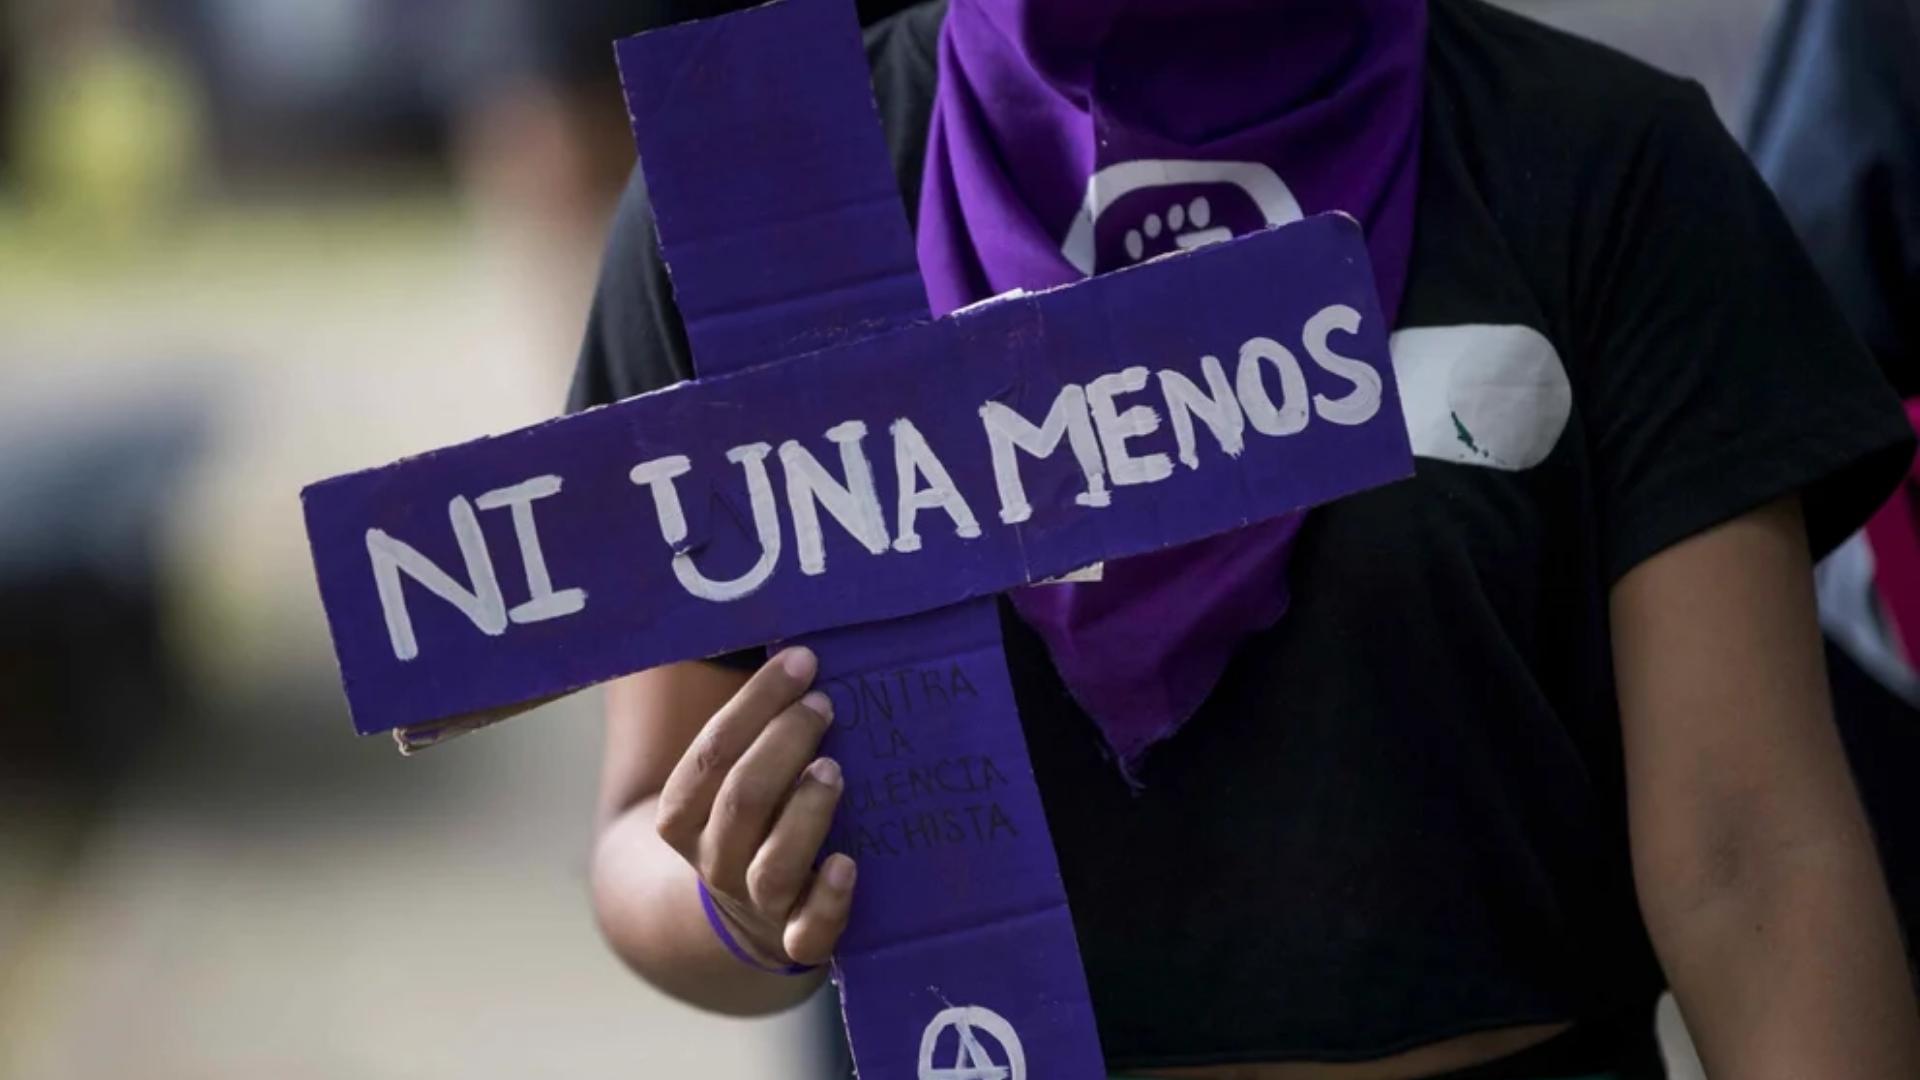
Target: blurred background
246, 244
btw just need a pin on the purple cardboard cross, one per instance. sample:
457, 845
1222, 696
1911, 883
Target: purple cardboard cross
849, 473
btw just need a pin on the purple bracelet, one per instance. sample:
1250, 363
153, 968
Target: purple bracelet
720, 930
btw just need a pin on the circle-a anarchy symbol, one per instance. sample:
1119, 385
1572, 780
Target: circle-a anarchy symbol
971, 1059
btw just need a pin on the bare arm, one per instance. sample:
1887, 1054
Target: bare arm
708, 774
1756, 870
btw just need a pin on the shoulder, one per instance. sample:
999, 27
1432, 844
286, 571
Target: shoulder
1479, 48
908, 37
1520, 99
1576, 155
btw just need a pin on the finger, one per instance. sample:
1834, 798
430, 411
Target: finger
686, 799
780, 869
815, 929
758, 787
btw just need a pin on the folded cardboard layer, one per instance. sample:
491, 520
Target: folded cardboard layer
959, 904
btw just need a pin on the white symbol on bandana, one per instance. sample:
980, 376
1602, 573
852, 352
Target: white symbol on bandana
972, 1060
1191, 221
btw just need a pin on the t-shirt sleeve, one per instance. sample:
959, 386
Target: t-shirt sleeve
1717, 374
635, 341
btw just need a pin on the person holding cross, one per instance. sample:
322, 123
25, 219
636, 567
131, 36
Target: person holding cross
1448, 778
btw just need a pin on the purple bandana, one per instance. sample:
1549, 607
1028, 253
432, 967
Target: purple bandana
1071, 137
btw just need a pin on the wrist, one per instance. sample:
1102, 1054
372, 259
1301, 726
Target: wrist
741, 944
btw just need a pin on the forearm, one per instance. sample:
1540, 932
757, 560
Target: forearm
1786, 961
647, 901
1756, 872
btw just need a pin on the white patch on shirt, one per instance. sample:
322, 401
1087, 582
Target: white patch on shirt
1493, 396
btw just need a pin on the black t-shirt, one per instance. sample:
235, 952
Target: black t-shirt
1400, 816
